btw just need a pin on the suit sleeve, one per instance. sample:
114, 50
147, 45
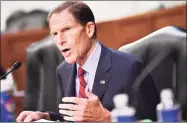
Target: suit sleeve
57, 116
143, 94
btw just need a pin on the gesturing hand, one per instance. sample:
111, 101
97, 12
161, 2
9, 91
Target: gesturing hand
85, 110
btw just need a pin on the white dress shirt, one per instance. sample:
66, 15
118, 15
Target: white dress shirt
90, 67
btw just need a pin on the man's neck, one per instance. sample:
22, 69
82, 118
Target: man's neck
81, 61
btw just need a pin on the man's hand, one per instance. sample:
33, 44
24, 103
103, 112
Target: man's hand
30, 116
85, 110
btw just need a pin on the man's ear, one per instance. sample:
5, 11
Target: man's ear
90, 29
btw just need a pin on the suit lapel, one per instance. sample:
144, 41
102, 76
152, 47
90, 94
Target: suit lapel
103, 76
70, 83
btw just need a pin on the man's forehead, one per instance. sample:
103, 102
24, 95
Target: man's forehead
63, 15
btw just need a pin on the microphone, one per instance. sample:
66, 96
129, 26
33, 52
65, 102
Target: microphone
14, 67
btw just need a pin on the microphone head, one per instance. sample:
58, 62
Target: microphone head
16, 65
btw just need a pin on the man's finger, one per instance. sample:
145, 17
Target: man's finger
70, 106
28, 119
89, 94
75, 100
32, 117
75, 118
22, 116
67, 112
73, 113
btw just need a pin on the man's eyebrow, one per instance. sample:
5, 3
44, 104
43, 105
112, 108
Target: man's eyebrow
59, 27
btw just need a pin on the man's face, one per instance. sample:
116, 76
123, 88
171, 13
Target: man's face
70, 37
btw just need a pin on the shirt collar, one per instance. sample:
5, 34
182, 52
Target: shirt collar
91, 63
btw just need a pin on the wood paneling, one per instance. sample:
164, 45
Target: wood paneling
119, 32
174, 16
14, 49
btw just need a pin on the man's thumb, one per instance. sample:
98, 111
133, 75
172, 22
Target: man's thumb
89, 94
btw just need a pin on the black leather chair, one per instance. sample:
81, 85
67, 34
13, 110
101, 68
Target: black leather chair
36, 19
15, 22
21, 20
164, 54
42, 91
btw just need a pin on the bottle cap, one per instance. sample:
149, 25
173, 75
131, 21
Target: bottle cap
120, 100
166, 94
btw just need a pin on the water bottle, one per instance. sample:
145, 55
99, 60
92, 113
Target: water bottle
168, 110
7, 102
122, 112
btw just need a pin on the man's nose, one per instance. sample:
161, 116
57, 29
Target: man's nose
60, 39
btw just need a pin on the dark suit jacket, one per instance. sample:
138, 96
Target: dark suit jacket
118, 70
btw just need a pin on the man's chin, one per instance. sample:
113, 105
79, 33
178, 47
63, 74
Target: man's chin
69, 61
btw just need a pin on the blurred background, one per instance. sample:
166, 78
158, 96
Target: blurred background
25, 37
112, 10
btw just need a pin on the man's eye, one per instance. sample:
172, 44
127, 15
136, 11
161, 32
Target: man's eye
67, 29
54, 33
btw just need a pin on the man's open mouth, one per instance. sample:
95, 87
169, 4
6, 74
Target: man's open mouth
65, 50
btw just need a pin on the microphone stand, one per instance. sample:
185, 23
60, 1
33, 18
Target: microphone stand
6, 73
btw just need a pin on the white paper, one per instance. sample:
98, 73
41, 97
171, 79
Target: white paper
43, 120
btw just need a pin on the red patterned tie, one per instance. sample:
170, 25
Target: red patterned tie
82, 83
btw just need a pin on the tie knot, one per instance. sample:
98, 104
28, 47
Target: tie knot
80, 71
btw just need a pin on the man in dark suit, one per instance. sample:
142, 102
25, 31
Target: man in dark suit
91, 74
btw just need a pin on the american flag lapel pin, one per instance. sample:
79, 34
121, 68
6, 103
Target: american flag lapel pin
102, 82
